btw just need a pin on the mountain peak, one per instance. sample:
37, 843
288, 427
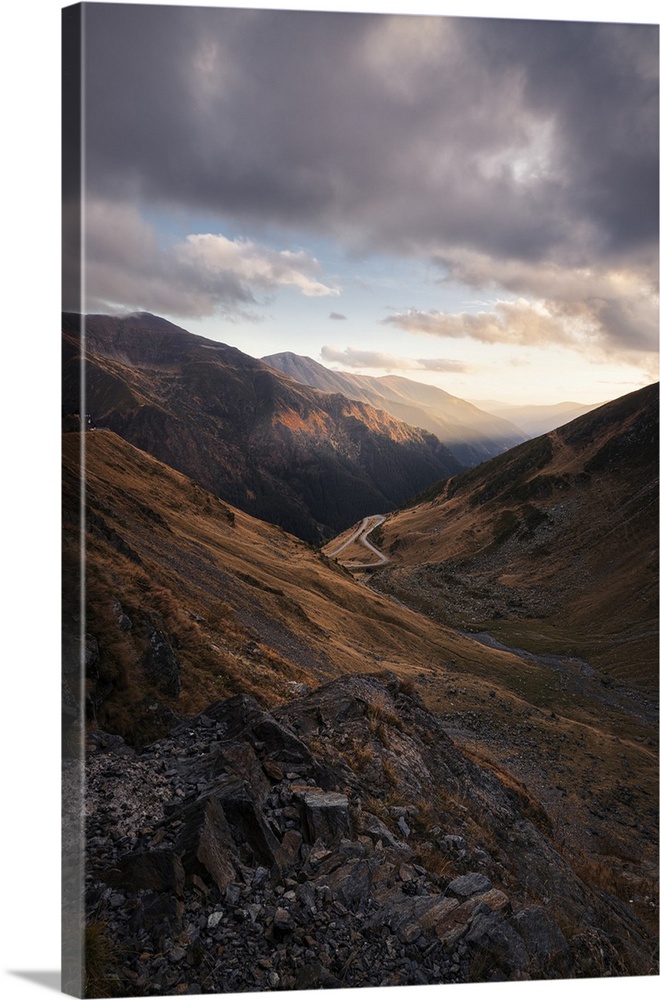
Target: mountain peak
310, 461
471, 434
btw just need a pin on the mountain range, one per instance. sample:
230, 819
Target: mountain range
470, 433
482, 706
308, 461
535, 419
190, 600
552, 545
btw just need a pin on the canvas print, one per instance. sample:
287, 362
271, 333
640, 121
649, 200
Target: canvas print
360, 497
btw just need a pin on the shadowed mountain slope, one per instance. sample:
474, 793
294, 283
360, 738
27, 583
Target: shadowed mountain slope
552, 545
235, 603
470, 433
190, 601
307, 461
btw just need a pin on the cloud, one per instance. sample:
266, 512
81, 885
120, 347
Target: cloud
352, 358
601, 316
254, 266
530, 147
127, 268
439, 365
508, 323
334, 315
507, 135
617, 301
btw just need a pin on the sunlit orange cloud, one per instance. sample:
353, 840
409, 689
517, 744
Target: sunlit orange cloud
353, 358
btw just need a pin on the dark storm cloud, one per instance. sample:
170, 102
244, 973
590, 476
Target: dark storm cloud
311, 116
599, 83
449, 138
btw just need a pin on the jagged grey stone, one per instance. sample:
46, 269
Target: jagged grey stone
325, 817
265, 896
469, 885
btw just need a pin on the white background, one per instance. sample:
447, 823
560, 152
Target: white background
30, 525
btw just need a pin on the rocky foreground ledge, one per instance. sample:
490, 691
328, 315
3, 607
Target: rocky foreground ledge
340, 841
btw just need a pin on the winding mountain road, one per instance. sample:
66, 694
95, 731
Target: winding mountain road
359, 537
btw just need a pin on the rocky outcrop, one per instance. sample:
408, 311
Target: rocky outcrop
239, 854
162, 666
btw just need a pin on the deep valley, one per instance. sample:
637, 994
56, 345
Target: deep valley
309, 766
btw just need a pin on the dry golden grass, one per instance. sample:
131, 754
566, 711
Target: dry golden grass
217, 582
102, 963
554, 538
641, 893
248, 608
436, 861
576, 746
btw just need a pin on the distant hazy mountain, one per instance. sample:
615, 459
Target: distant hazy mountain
538, 419
311, 462
470, 433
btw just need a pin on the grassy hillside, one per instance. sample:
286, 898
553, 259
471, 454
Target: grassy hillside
551, 546
243, 605
189, 600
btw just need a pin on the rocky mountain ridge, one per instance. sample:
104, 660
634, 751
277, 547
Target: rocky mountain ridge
189, 600
341, 840
281, 451
470, 433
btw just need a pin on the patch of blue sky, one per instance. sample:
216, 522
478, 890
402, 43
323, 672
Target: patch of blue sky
377, 284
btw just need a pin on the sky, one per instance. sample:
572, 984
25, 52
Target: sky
30, 71
471, 202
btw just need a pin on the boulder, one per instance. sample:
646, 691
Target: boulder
325, 817
248, 825
351, 882
469, 885
242, 718
241, 760
546, 945
205, 842
453, 844
411, 916
290, 848
454, 923
376, 830
497, 949
403, 826
283, 922
99, 741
